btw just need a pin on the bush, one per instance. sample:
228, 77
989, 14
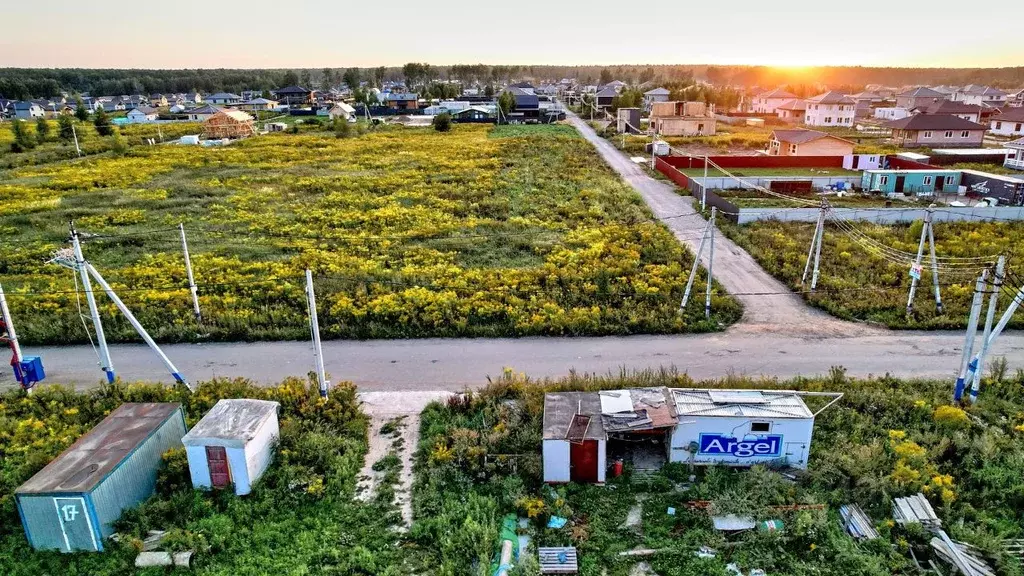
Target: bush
442, 122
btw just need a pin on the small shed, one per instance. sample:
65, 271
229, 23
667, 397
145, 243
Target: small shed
229, 124
574, 444
233, 443
628, 120
73, 502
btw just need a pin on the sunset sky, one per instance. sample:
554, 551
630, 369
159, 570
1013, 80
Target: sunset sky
315, 34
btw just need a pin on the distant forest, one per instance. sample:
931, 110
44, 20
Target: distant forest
20, 83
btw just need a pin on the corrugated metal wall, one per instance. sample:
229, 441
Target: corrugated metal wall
134, 480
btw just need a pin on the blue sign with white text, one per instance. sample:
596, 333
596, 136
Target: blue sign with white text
769, 445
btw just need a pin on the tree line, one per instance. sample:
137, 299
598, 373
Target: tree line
23, 83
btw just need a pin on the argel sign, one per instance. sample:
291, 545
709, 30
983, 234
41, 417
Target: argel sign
722, 445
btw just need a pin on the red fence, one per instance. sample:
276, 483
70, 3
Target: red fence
684, 162
672, 173
897, 163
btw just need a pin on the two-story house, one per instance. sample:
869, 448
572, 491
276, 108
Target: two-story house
294, 96
28, 110
767, 102
655, 95
918, 97
936, 131
971, 112
830, 109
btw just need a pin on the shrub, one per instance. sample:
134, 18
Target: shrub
951, 418
442, 122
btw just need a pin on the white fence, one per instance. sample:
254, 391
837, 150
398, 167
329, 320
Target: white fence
753, 182
883, 215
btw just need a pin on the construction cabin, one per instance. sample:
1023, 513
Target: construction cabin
627, 120
916, 182
1009, 190
647, 427
232, 444
72, 503
226, 123
683, 119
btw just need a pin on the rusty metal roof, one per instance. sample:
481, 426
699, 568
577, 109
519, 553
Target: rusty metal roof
86, 462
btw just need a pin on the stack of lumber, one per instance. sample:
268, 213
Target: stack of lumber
975, 565
857, 522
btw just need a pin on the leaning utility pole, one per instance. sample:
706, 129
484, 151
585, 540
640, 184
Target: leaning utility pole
696, 263
12, 337
191, 279
990, 316
915, 270
704, 186
972, 366
711, 262
972, 331
314, 328
90, 298
815, 249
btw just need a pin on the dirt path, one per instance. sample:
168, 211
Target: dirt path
402, 409
734, 268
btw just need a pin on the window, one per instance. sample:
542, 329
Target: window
762, 427
927, 134
828, 119
948, 180
883, 180
965, 134
927, 181
948, 134
872, 159
792, 148
1000, 125
1018, 126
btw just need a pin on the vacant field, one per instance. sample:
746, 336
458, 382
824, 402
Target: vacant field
410, 232
858, 283
480, 459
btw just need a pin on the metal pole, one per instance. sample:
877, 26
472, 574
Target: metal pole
12, 337
90, 298
137, 325
191, 279
711, 262
935, 266
814, 242
74, 134
693, 269
817, 251
972, 366
990, 316
704, 186
972, 331
314, 325
917, 261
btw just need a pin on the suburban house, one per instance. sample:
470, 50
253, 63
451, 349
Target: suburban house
979, 95
229, 124
402, 101
807, 143
864, 101
616, 85
1015, 160
194, 97
683, 119
28, 110
294, 96
966, 111
767, 102
202, 113
257, 104
1010, 122
1015, 98
792, 110
141, 115
223, 98
936, 131
891, 113
157, 100
917, 97
473, 114
606, 96
655, 95
342, 110
527, 108
830, 109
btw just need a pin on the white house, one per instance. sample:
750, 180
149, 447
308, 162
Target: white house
342, 110
141, 115
202, 113
1009, 123
767, 102
830, 109
647, 427
891, 113
655, 95
232, 444
978, 95
1015, 160
28, 110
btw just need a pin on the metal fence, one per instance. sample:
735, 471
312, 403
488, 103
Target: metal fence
883, 215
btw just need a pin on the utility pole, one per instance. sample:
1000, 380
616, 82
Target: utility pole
314, 327
90, 298
915, 271
74, 134
12, 339
191, 279
704, 186
990, 316
815, 249
693, 269
137, 325
972, 366
972, 331
711, 263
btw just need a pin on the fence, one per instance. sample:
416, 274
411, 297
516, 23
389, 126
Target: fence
688, 162
881, 215
754, 182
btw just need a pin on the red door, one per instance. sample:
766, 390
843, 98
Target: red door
217, 460
583, 461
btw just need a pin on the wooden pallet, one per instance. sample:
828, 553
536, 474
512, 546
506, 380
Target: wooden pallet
550, 561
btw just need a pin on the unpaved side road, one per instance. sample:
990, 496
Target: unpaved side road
734, 268
383, 407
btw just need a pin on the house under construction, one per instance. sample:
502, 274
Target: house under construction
683, 118
229, 124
